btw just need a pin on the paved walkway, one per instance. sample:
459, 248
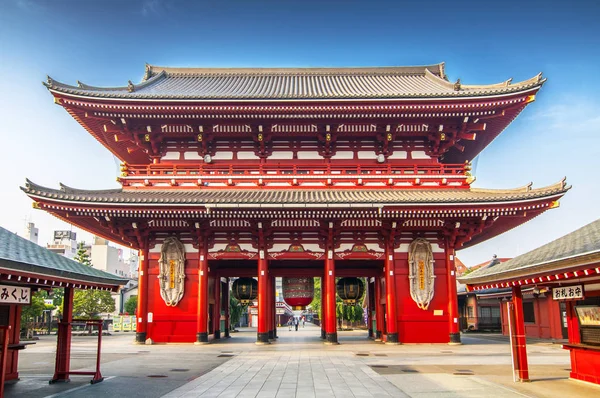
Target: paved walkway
299, 365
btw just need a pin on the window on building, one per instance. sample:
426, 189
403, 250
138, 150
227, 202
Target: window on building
528, 312
485, 312
470, 312
496, 312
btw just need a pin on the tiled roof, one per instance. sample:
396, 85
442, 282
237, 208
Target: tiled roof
19, 254
584, 241
294, 84
261, 197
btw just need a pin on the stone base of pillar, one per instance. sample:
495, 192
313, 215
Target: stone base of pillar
392, 338
331, 338
202, 338
217, 334
322, 334
262, 338
378, 335
455, 339
226, 334
271, 335
140, 337
370, 333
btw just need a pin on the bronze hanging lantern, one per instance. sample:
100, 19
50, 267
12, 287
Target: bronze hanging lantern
350, 290
298, 292
245, 290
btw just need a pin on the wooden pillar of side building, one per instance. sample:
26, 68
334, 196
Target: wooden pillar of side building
202, 320
330, 295
262, 336
370, 307
379, 327
453, 326
390, 296
274, 305
63, 340
520, 342
141, 327
217, 308
270, 305
323, 309
226, 302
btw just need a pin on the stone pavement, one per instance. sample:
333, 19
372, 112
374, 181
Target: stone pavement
299, 365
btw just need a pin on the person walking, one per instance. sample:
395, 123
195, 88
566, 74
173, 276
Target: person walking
296, 323
289, 323
303, 321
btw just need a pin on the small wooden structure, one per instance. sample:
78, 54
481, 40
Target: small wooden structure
569, 269
25, 268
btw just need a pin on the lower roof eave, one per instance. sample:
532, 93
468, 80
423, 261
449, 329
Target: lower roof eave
587, 261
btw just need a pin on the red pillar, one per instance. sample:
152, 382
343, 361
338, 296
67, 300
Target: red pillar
226, 307
323, 309
202, 320
63, 341
520, 340
270, 303
142, 304
452, 295
263, 298
378, 310
390, 295
330, 294
217, 308
370, 307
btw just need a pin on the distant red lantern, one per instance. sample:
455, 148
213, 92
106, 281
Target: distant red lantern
350, 290
245, 290
298, 292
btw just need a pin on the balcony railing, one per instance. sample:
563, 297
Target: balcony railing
295, 174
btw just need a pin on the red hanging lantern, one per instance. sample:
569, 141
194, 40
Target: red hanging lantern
245, 290
350, 290
298, 292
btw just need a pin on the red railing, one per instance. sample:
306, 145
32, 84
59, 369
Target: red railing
197, 170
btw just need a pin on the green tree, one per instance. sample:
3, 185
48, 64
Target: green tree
90, 303
315, 305
235, 311
29, 313
130, 305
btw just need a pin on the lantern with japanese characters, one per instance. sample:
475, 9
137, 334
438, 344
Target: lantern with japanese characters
245, 290
298, 292
350, 290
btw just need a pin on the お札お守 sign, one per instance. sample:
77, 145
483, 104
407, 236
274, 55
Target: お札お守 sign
567, 292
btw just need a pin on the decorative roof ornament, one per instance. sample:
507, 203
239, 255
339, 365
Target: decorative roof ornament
79, 84
148, 72
457, 85
49, 80
130, 86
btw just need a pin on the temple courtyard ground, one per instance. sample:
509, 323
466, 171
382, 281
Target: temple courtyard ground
299, 365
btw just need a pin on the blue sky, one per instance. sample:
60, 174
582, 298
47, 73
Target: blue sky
108, 43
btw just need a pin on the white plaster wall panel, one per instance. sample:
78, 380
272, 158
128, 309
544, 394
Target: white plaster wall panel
419, 155
309, 155
282, 155
367, 155
192, 156
171, 156
247, 155
398, 155
343, 155
224, 155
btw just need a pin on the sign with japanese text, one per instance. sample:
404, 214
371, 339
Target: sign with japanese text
15, 294
567, 292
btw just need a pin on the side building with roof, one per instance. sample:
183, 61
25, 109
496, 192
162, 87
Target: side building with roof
559, 280
26, 268
296, 173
